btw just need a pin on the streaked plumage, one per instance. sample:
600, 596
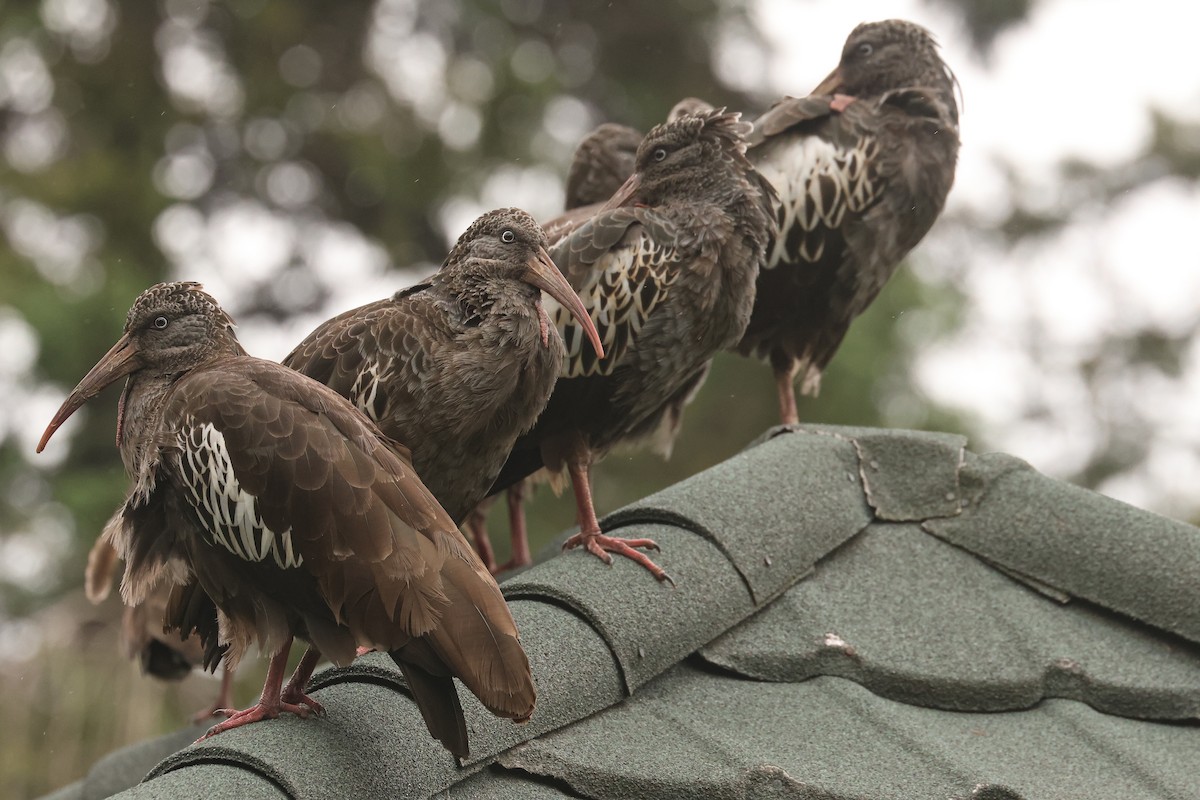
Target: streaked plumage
602, 162
459, 365
267, 494
668, 281
862, 168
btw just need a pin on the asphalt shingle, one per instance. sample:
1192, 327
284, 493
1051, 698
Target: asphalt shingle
774, 508
111, 774
830, 738
499, 783
1082, 543
649, 626
373, 736
219, 781
919, 621
859, 613
896, 491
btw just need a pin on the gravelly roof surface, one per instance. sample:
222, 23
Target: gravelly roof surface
858, 613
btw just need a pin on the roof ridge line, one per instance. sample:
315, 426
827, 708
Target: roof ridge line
533, 594
218, 754
627, 517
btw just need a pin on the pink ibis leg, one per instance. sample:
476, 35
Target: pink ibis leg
293, 693
224, 698
476, 525
270, 702
589, 535
516, 528
785, 383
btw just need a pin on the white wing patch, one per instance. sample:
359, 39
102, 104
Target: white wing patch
817, 183
630, 282
228, 513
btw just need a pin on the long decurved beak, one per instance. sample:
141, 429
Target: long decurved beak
541, 272
625, 195
118, 362
832, 83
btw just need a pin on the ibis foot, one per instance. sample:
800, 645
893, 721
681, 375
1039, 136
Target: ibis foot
298, 699
600, 546
256, 713
293, 693
215, 710
272, 701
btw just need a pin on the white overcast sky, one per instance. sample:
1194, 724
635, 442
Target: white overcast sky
1076, 79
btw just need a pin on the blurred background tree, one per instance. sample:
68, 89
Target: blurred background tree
302, 157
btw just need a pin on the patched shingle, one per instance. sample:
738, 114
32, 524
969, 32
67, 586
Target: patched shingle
917, 620
907, 475
908, 620
649, 626
695, 734
774, 509
1082, 543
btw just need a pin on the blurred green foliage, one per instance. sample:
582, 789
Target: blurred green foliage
244, 87
121, 112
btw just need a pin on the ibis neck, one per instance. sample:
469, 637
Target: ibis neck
139, 417
486, 295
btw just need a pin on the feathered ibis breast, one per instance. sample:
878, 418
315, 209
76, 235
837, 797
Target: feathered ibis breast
623, 264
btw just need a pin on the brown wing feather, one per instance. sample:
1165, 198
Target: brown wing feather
374, 546
857, 190
347, 354
426, 370
190, 611
354, 512
482, 646
436, 699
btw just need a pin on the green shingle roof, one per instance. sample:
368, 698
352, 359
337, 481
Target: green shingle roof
858, 613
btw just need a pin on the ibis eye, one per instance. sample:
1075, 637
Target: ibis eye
660, 154
508, 237
865, 49
160, 323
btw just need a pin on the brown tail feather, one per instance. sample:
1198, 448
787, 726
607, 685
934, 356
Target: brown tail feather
437, 699
98, 574
191, 612
478, 641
